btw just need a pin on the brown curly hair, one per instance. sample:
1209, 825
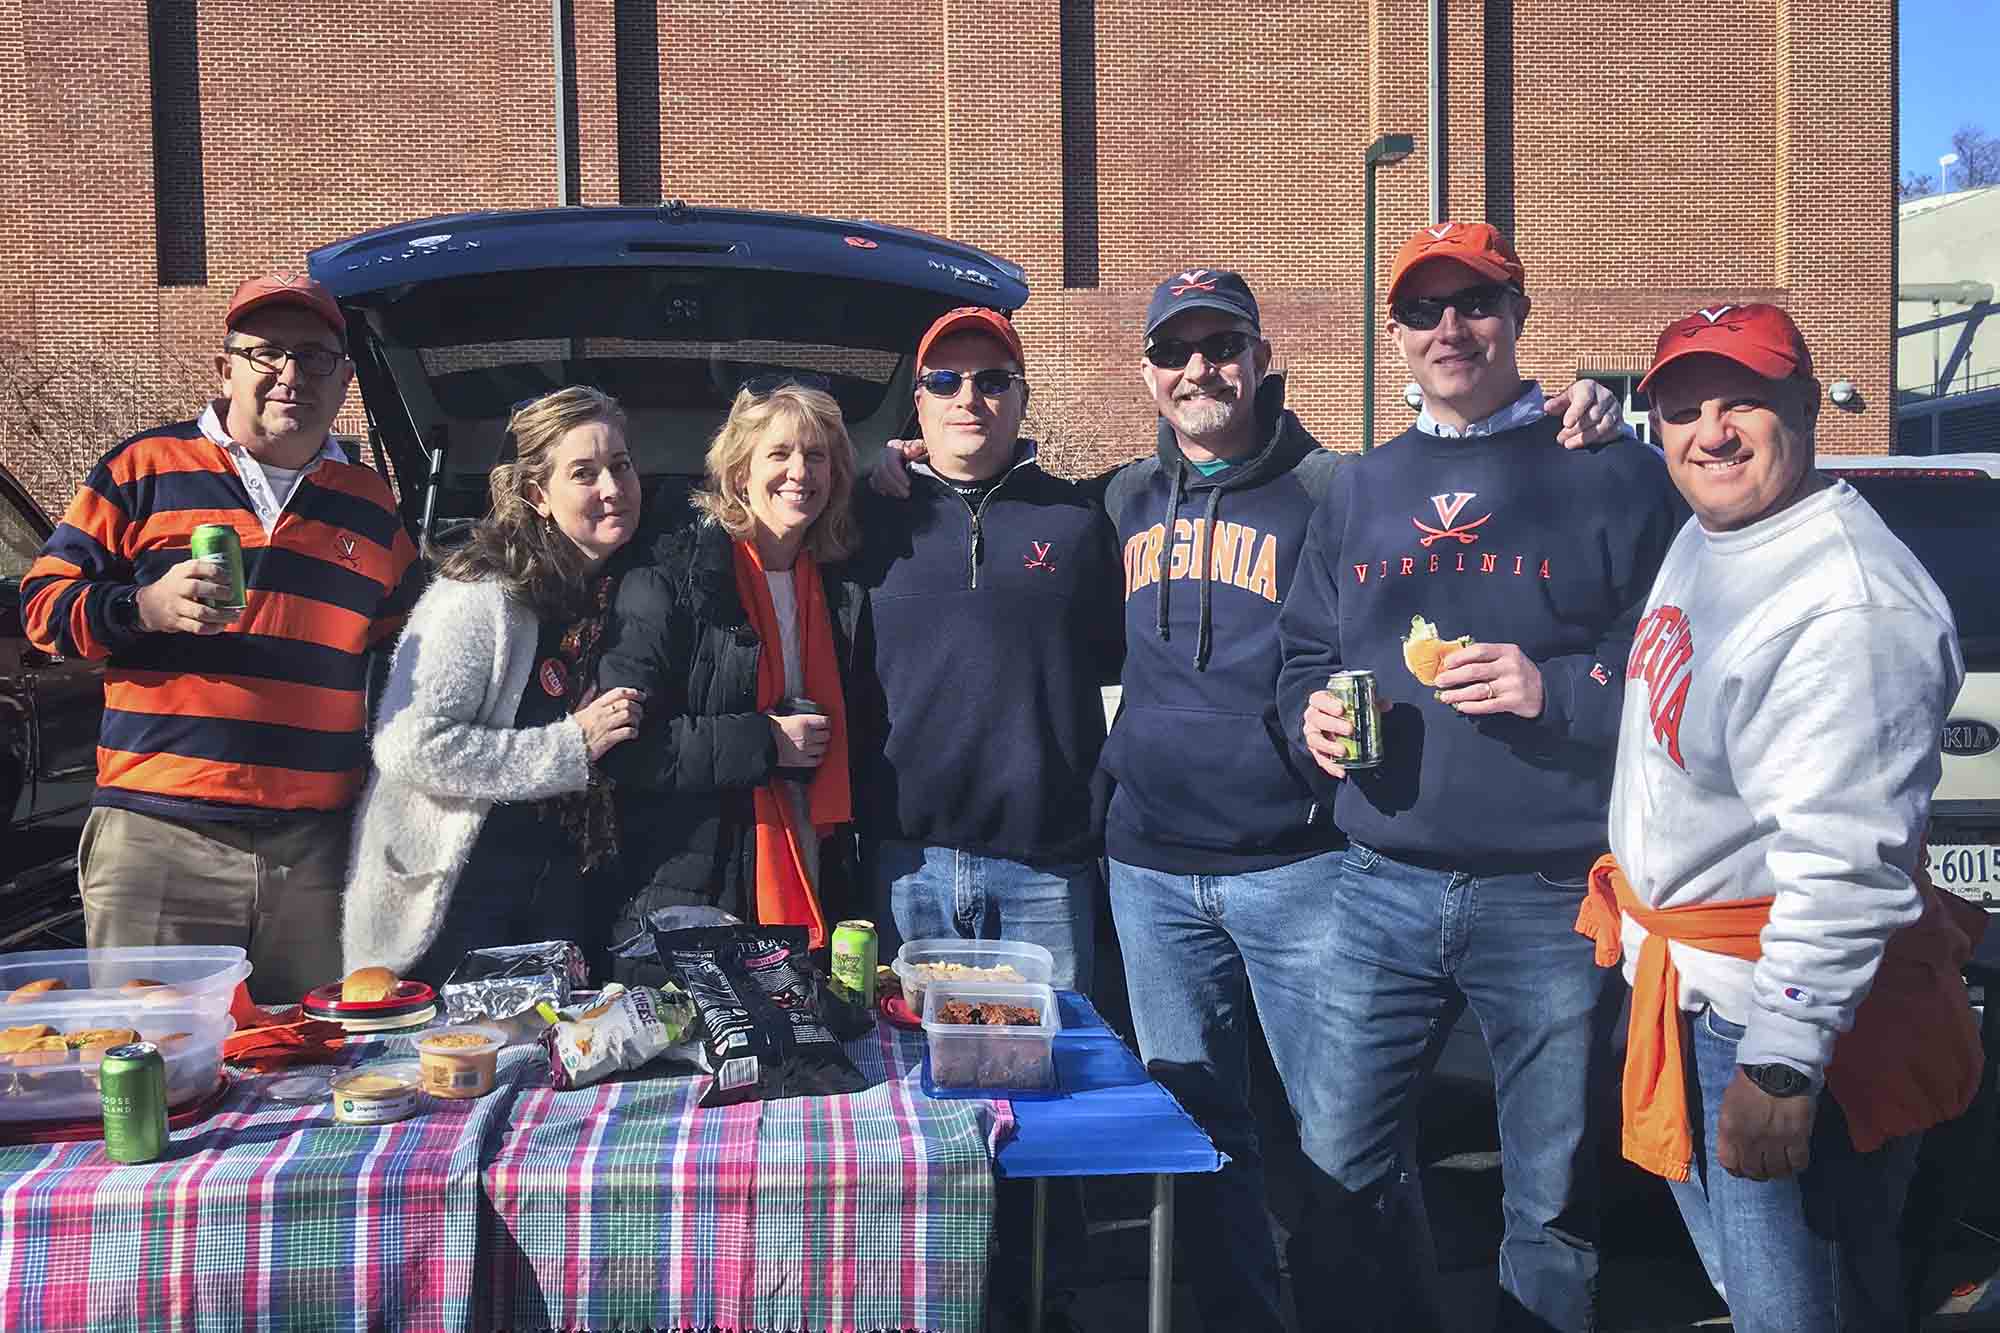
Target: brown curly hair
529, 556
812, 416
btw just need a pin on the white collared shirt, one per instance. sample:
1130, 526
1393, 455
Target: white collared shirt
1523, 411
270, 505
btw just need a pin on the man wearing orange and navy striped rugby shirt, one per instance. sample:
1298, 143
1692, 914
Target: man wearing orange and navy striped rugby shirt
233, 742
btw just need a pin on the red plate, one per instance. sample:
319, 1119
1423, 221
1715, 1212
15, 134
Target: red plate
76, 1131
409, 996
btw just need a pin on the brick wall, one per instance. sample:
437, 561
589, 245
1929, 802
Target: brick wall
1100, 143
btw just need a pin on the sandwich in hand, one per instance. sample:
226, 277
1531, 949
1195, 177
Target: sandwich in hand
1424, 651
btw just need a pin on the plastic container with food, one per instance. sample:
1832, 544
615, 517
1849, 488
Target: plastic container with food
461, 1060
997, 962
377, 1094
91, 999
985, 1037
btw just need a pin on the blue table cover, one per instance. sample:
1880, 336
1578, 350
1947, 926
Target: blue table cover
1112, 1120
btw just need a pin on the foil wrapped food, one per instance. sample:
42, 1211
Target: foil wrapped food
511, 979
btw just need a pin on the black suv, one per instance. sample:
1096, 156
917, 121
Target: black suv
49, 711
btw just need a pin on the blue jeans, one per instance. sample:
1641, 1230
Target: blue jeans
1813, 1253
925, 893
1411, 948
1197, 949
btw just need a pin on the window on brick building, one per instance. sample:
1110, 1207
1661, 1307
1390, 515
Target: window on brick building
1625, 383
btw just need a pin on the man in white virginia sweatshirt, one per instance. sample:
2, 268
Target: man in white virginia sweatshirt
1779, 744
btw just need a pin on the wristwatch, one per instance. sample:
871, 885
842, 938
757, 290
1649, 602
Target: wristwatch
1778, 1080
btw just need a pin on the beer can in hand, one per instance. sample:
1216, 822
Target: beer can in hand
854, 958
133, 1082
218, 545
1356, 692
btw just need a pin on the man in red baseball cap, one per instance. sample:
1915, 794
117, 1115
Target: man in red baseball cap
234, 738
1476, 531
1798, 1017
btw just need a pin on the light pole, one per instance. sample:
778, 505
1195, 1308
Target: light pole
1945, 164
1385, 151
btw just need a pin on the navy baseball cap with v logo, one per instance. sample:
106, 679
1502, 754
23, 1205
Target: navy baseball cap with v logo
1202, 289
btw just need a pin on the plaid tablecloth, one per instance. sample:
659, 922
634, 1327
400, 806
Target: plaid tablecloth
623, 1205
629, 1206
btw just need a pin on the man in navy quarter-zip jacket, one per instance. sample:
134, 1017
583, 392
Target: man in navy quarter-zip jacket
1469, 846
994, 592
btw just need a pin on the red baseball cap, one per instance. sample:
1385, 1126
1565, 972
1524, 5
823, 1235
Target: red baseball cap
1477, 245
1760, 337
973, 319
285, 288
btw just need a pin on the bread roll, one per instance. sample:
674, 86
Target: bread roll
1424, 650
34, 990
44, 1051
20, 1039
100, 1037
365, 985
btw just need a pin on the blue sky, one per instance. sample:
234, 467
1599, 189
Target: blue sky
1950, 75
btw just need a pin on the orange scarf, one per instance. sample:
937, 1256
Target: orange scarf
1912, 1059
785, 893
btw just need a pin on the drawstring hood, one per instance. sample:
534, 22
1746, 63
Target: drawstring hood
1285, 443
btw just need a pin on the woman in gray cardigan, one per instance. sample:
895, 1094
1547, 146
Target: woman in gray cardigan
484, 813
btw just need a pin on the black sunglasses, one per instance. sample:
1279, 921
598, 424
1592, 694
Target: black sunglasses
1427, 312
759, 386
1216, 348
992, 383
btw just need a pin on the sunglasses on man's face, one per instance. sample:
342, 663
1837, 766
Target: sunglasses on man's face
1427, 312
1216, 348
990, 383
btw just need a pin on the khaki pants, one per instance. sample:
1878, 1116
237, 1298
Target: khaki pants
272, 887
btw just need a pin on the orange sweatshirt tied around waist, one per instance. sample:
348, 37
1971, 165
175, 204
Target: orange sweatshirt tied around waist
785, 893
1911, 1060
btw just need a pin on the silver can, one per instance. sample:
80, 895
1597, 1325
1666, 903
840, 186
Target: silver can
1356, 692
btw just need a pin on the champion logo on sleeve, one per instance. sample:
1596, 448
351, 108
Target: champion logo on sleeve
1797, 996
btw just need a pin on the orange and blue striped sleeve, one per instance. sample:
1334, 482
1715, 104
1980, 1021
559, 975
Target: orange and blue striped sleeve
67, 593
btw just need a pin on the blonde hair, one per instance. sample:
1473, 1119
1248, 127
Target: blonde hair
531, 558
809, 416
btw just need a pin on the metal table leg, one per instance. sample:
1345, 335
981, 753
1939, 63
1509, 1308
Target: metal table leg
1038, 1261
1160, 1277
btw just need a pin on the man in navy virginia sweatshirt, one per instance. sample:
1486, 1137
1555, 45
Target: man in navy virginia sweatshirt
1221, 845
1469, 846
994, 596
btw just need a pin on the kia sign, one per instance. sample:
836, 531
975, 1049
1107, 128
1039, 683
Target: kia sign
1968, 737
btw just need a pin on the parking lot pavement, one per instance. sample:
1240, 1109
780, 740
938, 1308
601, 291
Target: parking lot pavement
1651, 1283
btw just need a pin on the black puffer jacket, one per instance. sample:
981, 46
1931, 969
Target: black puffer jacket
680, 633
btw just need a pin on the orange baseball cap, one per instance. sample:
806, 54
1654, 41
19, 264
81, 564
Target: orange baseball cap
1477, 245
973, 319
1760, 337
284, 288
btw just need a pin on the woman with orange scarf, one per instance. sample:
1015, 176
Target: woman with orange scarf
736, 793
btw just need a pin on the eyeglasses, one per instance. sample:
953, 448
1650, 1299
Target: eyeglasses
1427, 312
271, 357
762, 386
991, 382
1173, 353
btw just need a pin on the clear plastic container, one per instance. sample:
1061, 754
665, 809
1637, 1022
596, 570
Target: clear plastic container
919, 962
461, 1060
996, 1057
187, 1014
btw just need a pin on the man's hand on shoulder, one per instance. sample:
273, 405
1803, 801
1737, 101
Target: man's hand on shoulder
890, 476
178, 602
1591, 414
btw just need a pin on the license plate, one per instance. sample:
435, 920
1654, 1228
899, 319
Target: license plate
1970, 870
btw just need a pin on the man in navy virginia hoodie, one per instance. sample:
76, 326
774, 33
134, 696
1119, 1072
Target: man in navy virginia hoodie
994, 595
1469, 846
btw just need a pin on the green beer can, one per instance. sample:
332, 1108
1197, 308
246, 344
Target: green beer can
133, 1082
1356, 692
854, 963
218, 544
